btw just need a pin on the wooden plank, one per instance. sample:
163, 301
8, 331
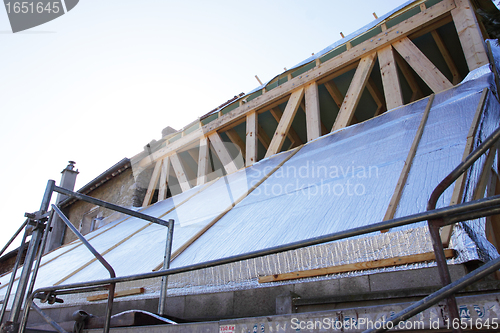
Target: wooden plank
390, 80
221, 151
377, 96
292, 135
393, 204
447, 57
354, 92
286, 121
152, 184
122, 293
165, 171
318, 74
458, 190
203, 161
485, 175
469, 34
410, 78
355, 267
236, 140
424, 68
251, 139
313, 117
180, 172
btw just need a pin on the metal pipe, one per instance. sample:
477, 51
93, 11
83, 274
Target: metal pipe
35, 269
14, 237
464, 208
13, 275
49, 320
111, 292
162, 302
441, 294
110, 206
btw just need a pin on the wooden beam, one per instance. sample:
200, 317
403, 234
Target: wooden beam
355, 267
458, 190
410, 78
180, 172
354, 92
152, 184
390, 79
292, 135
203, 161
327, 68
121, 293
447, 57
377, 96
286, 121
396, 197
236, 140
221, 151
251, 139
429, 73
469, 34
313, 117
337, 96
165, 171
263, 137
485, 174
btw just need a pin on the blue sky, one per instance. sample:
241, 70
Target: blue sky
98, 83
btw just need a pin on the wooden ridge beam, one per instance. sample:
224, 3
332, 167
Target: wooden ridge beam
313, 116
180, 172
222, 152
327, 68
469, 34
285, 122
381, 263
354, 92
458, 189
396, 197
165, 171
152, 184
203, 161
390, 79
251, 139
427, 71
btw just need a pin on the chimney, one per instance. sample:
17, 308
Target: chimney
56, 235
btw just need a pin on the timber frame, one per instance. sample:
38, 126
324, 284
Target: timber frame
323, 95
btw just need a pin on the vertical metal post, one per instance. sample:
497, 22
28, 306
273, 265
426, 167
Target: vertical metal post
30, 257
13, 275
162, 305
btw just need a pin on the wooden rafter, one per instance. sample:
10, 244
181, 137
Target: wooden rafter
427, 71
222, 152
447, 57
354, 92
469, 34
203, 161
263, 137
313, 117
236, 140
337, 96
377, 96
251, 139
165, 171
409, 77
285, 122
180, 172
328, 68
152, 184
292, 135
390, 79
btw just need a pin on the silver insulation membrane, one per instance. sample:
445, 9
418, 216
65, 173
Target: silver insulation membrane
334, 183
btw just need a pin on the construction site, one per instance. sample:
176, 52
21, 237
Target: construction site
358, 191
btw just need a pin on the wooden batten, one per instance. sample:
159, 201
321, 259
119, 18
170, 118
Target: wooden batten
458, 190
223, 154
313, 118
286, 121
381, 263
354, 92
251, 139
122, 293
390, 80
180, 172
429, 73
203, 161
